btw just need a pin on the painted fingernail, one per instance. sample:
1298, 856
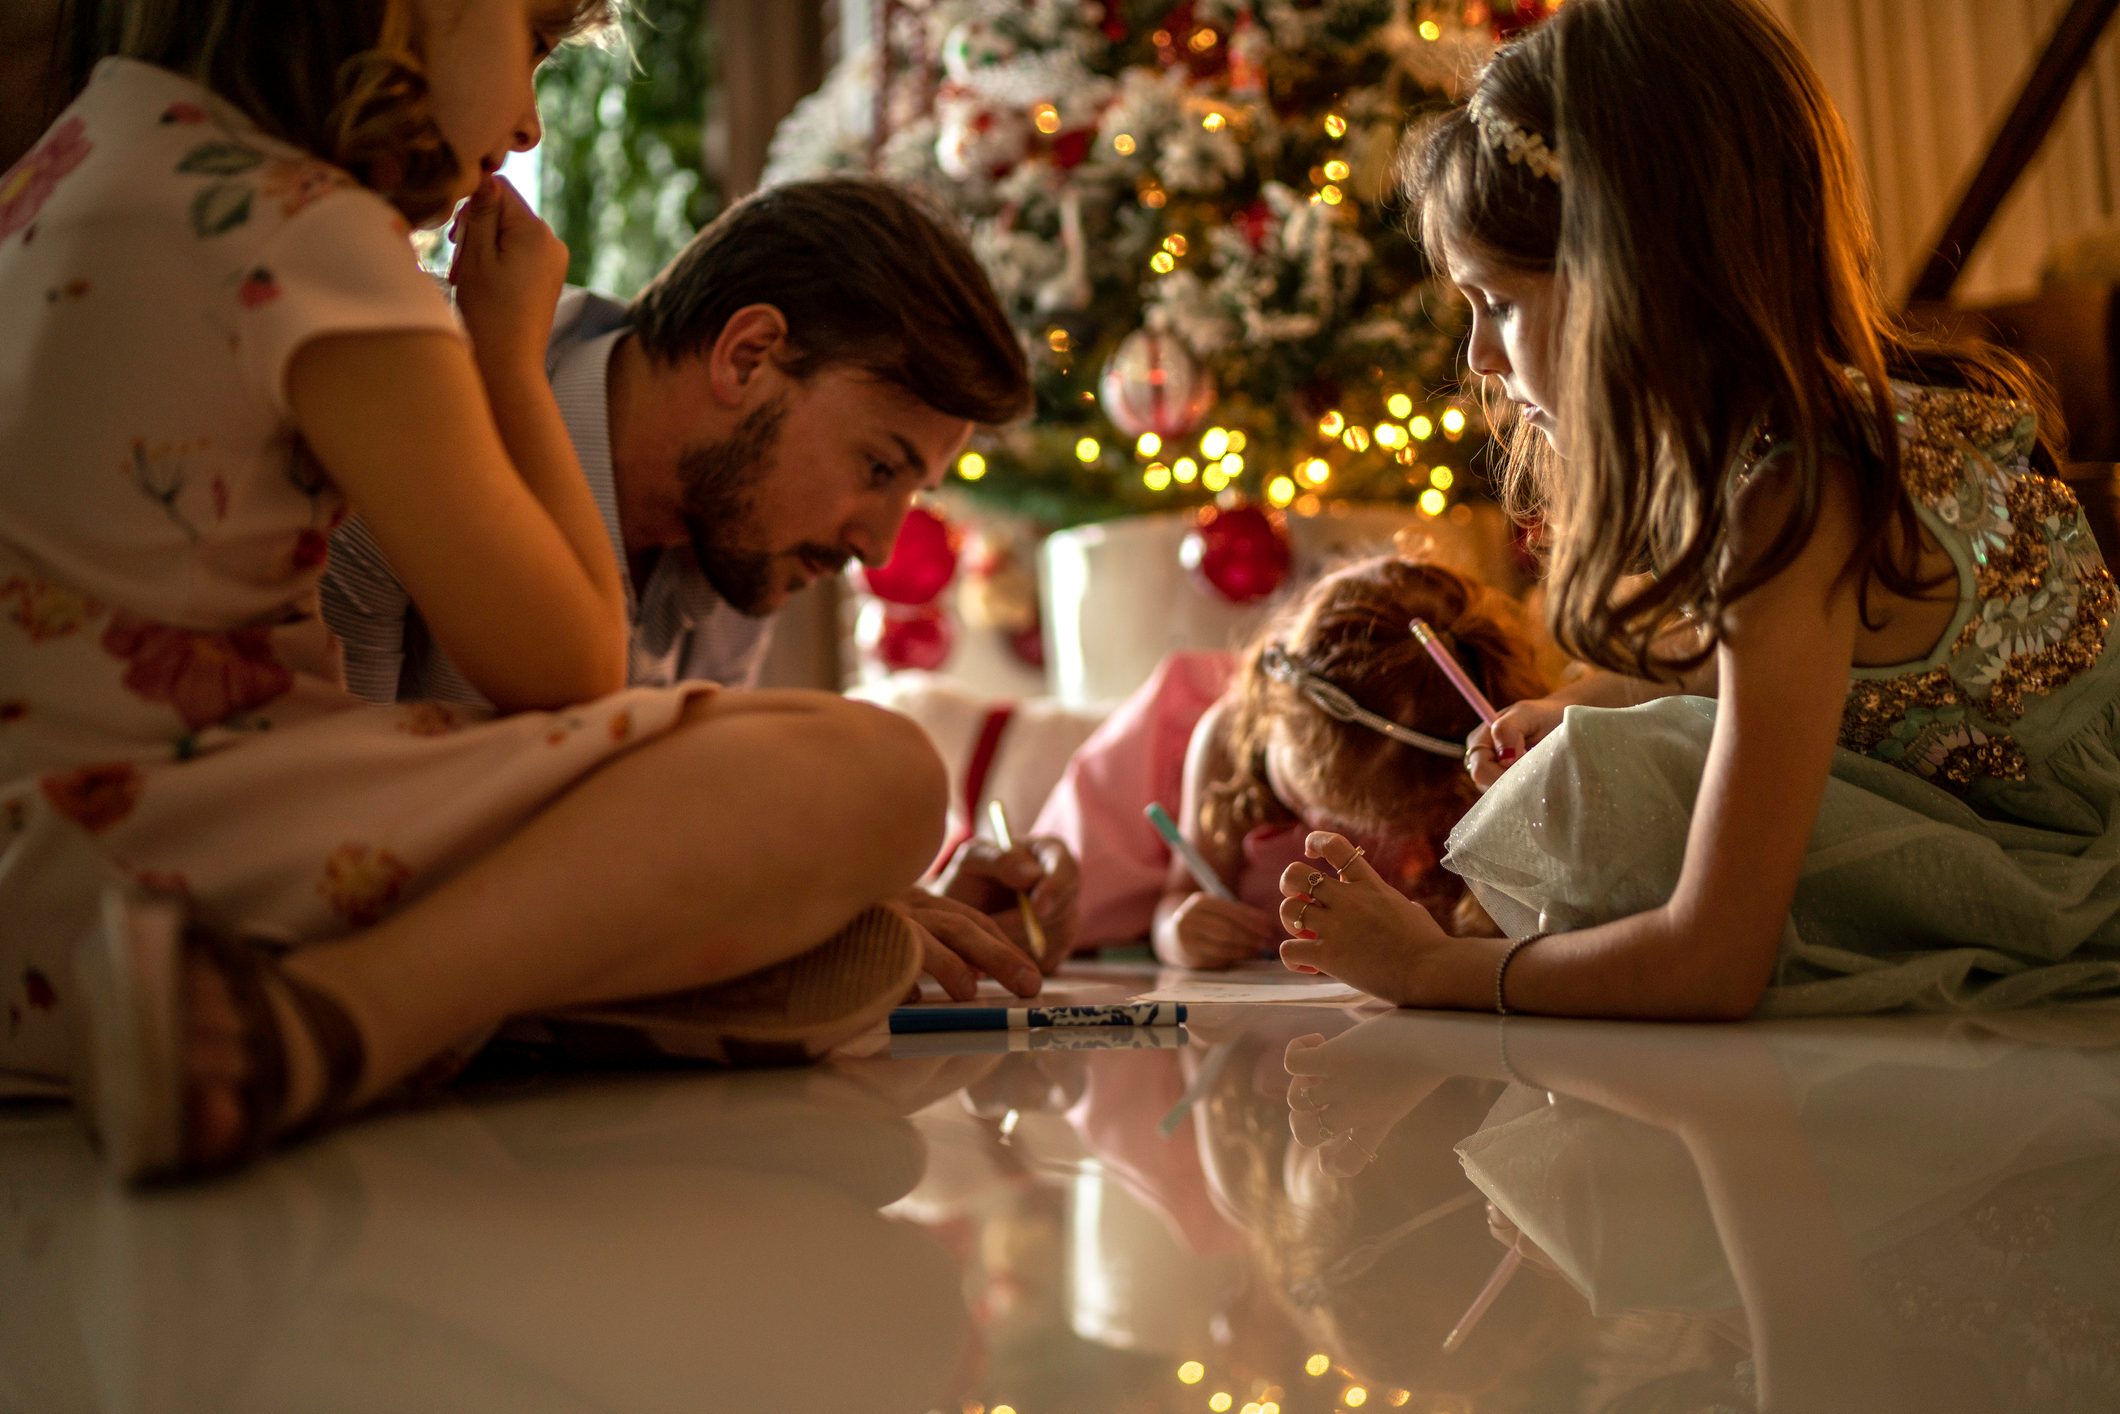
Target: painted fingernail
1304, 967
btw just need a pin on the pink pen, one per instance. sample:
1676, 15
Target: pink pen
1426, 637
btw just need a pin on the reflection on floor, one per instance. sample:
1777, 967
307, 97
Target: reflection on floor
1283, 1208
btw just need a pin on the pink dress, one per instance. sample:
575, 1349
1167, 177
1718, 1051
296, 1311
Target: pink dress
1138, 756
172, 709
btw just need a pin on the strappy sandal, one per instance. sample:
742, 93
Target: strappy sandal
135, 1091
788, 1014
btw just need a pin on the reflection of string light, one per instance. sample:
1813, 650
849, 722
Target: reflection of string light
1317, 1364
1331, 425
1191, 1372
1354, 1396
971, 466
1087, 450
1398, 405
1401, 1397
1123, 144
1203, 39
1220, 1401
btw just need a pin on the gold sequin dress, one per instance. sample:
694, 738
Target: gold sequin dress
1967, 853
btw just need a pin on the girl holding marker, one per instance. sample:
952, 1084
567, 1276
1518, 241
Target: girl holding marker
1335, 717
1857, 741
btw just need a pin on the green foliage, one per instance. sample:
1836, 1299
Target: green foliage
625, 183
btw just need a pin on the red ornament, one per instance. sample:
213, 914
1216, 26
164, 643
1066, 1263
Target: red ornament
1240, 551
922, 562
1511, 18
903, 636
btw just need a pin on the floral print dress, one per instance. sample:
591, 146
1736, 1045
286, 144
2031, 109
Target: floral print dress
172, 709
1967, 853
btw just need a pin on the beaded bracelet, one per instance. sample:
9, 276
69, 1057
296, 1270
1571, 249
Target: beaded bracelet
1501, 972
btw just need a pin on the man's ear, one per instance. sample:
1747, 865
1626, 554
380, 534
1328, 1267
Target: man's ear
748, 345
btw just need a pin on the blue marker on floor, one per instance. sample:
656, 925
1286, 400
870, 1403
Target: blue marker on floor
1023, 1018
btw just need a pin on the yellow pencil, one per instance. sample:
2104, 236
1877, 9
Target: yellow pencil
1032, 929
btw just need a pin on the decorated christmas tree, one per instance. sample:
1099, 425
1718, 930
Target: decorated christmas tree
1191, 212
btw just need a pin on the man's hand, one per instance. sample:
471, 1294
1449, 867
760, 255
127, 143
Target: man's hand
963, 944
982, 875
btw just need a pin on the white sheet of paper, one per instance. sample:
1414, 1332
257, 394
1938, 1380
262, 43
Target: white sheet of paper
1201, 990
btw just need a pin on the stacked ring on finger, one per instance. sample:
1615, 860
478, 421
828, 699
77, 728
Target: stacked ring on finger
1310, 886
1359, 851
1301, 912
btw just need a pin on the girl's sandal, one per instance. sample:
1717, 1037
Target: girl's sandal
787, 1014
135, 1090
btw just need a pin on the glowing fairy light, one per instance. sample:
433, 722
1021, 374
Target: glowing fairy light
1220, 1401
1317, 471
1237, 440
1191, 1372
1332, 424
1355, 439
1214, 122
1047, 118
1088, 450
1331, 195
1233, 464
1453, 422
1176, 244
1354, 1396
1317, 1365
1214, 442
1162, 262
1280, 491
1422, 427
1337, 171
1123, 144
1390, 436
1214, 478
1186, 469
1431, 31
1398, 405
1433, 503
971, 466
1148, 444
1335, 126
1157, 477
1442, 478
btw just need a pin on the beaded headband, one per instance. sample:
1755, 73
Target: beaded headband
1520, 145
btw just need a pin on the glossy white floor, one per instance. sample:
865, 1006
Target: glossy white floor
1886, 1214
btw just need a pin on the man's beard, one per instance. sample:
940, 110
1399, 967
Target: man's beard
721, 481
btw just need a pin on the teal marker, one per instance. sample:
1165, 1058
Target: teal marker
1202, 875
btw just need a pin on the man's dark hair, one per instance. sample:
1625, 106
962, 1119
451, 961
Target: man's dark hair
865, 274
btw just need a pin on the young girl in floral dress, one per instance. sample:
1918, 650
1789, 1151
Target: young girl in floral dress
218, 339
1858, 742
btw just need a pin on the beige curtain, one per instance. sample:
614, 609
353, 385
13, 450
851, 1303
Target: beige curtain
1923, 83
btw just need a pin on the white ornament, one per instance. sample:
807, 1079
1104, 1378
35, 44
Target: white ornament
1154, 384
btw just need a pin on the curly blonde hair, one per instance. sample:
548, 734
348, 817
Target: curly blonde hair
1351, 629
345, 81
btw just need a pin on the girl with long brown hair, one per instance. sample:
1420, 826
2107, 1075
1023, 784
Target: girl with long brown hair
1855, 743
